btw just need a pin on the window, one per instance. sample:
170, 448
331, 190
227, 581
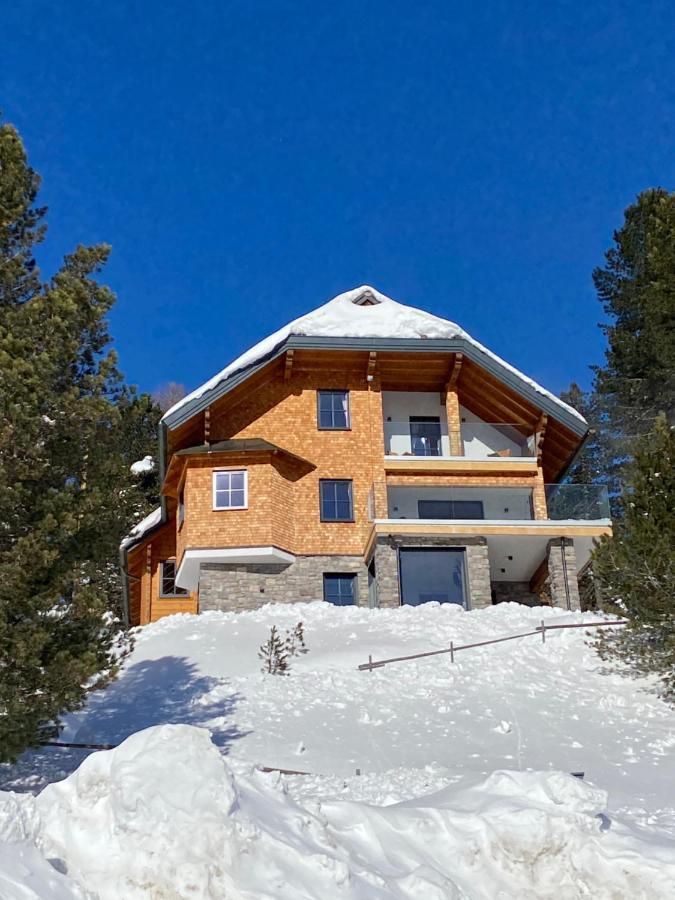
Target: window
432, 575
168, 586
425, 435
336, 500
333, 410
230, 489
450, 509
339, 590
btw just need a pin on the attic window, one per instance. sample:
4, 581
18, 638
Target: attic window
365, 299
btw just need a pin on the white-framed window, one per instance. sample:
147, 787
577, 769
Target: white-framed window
230, 489
181, 509
168, 587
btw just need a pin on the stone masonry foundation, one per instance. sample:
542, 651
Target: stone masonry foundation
562, 572
239, 587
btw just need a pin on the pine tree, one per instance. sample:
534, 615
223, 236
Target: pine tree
67, 425
274, 654
637, 290
636, 566
636, 287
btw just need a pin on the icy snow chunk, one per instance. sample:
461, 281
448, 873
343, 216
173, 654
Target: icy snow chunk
141, 466
126, 810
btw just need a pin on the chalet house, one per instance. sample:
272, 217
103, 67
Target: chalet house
367, 453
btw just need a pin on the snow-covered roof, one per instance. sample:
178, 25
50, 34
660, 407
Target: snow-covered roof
142, 528
361, 313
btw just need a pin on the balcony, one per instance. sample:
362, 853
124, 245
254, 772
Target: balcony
577, 502
429, 436
570, 503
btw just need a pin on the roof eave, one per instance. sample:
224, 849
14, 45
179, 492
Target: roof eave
301, 342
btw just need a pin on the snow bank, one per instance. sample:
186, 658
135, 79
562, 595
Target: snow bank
26, 875
342, 317
164, 816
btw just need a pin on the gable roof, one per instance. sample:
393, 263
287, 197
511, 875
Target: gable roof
365, 317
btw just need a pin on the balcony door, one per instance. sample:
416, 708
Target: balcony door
432, 574
425, 435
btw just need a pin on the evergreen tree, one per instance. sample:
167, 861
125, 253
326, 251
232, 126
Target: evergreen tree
636, 287
274, 654
637, 290
637, 565
69, 429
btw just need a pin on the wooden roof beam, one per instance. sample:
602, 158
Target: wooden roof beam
540, 433
288, 365
456, 369
372, 363
453, 376
207, 425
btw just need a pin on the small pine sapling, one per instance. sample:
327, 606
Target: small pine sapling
274, 654
295, 640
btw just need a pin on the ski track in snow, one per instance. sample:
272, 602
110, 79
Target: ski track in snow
517, 705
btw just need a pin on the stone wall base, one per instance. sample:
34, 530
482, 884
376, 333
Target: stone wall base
562, 574
239, 587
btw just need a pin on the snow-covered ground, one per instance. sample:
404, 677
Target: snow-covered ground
463, 788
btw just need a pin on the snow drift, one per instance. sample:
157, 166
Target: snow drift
163, 816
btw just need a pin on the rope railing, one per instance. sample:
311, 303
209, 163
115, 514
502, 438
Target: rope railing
455, 648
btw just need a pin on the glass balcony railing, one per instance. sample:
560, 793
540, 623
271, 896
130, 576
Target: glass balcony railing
577, 501
450, 504
570, 502
430, 436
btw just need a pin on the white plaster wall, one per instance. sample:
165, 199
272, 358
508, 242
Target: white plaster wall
398, 406
481, 439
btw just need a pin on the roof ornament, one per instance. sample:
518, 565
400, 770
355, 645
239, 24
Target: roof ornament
366, 298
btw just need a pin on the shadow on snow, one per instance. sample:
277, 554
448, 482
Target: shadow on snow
152, 692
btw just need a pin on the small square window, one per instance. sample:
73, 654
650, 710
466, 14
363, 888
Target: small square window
333, 410
336, 500
168, 587
230, 490
339, 590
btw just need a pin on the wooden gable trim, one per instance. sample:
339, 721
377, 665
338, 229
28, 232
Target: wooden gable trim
288, 364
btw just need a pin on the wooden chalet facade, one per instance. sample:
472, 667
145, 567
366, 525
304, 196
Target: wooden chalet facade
368, 453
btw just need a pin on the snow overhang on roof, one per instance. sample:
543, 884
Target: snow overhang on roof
366, 319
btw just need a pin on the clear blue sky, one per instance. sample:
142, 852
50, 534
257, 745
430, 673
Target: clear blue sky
249, 160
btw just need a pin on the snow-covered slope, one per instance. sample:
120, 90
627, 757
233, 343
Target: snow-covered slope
464, 786
342, 317
164, 817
